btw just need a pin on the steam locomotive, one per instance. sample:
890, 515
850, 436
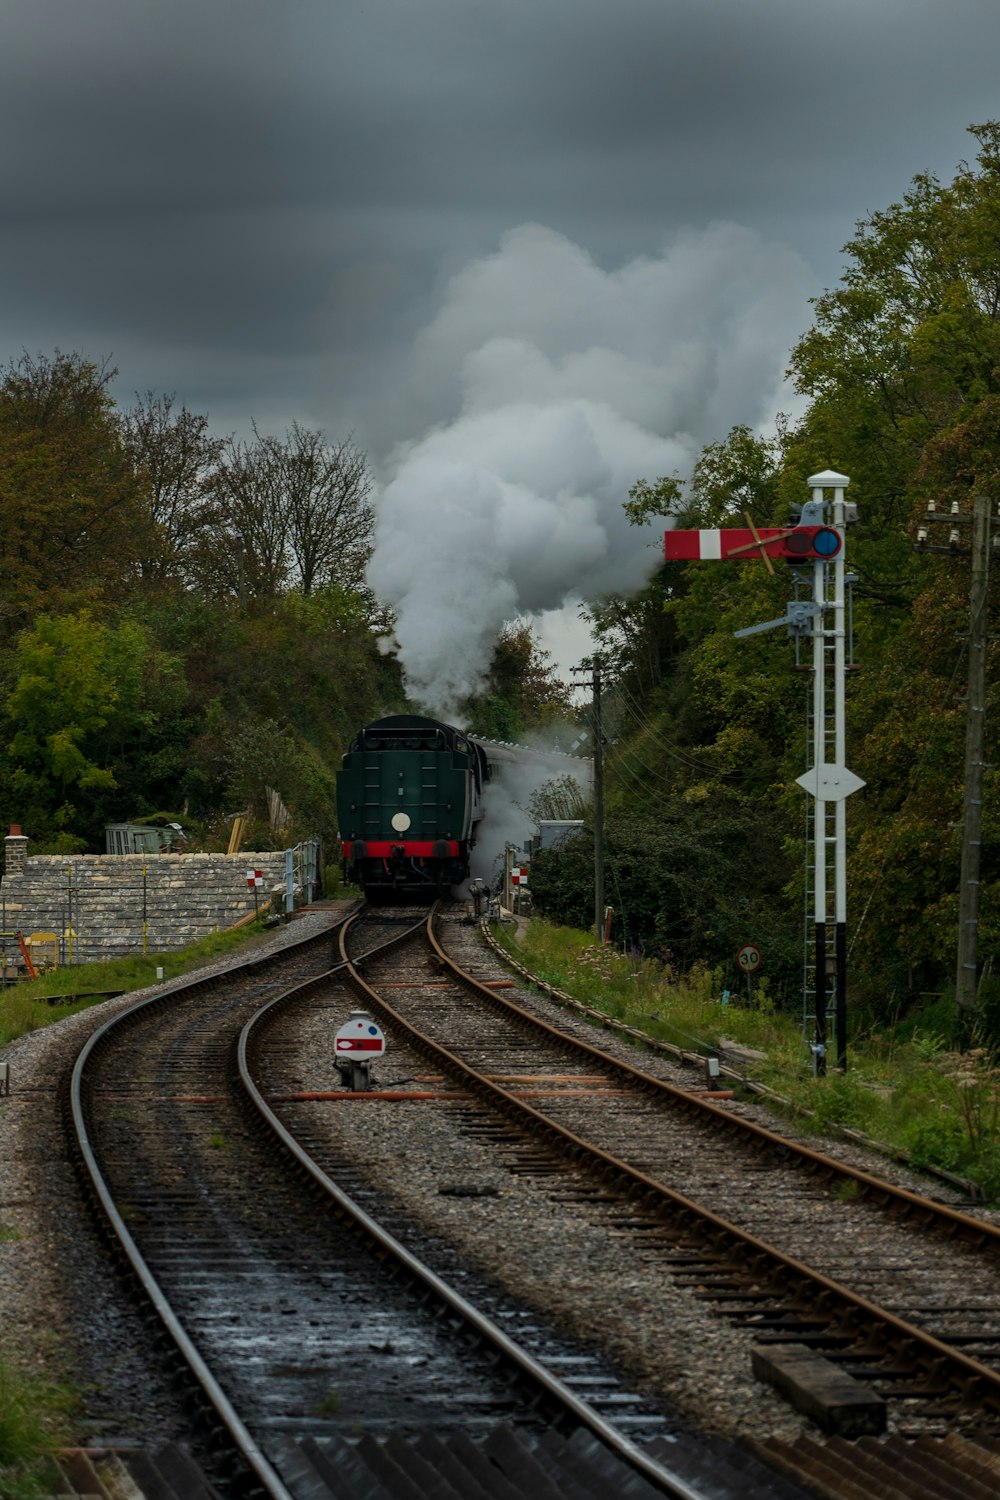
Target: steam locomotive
409, 799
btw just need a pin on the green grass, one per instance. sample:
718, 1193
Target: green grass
24, 1006
335, 887
35, 1418
903, 1087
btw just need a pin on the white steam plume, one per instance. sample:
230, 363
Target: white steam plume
506, 799
552, 386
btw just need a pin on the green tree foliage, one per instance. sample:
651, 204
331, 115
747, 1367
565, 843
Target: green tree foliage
188, 619
909, 344
678, 886
89, 712
522, 694
561, 798
72, 525
903, 371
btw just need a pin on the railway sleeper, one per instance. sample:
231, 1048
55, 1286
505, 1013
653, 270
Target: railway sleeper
818, 1388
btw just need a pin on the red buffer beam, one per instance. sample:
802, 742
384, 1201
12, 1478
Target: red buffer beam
743, 544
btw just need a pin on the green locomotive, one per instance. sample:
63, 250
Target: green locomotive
409, 799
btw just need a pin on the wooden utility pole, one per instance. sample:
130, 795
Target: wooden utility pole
594, 666
975, 730
598, 806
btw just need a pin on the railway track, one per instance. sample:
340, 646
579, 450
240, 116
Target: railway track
321, 1356
899, 1291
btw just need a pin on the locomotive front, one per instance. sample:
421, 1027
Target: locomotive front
409, 797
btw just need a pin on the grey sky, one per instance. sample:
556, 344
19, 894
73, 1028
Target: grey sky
316, 210
256, 203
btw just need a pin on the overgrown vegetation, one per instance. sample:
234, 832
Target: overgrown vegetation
905, 1089
35, 1416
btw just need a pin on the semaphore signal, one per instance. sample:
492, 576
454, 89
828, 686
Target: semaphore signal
828, 780
796, 544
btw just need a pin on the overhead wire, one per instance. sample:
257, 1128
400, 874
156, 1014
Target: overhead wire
634, 708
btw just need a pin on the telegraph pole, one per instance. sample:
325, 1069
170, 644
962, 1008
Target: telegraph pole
594, 666
966, 988
598, 806
975, 727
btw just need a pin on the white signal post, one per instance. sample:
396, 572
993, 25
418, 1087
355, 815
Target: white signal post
828, 779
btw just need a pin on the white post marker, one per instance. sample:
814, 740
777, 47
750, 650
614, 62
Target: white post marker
358, 1043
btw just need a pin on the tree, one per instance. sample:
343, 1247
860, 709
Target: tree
174, 457
909, 343
91, 706
243, 548
562, 798
326, 490
72, 525
291, 513
522, 692
678, 884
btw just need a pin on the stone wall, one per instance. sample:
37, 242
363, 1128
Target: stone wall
98, 902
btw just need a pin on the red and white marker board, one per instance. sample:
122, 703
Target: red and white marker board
359, 1038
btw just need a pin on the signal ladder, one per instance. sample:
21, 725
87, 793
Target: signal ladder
821, 842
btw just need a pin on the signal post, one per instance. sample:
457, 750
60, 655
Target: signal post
828, 781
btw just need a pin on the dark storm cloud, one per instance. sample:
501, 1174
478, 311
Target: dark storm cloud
528, 252
259, 204
616, 121
139, 107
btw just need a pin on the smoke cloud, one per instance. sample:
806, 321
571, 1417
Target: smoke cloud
547, 386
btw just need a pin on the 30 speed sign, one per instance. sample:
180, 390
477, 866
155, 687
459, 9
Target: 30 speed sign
749, 958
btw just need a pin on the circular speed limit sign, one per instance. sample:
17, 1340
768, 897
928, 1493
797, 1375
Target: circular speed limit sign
749, 958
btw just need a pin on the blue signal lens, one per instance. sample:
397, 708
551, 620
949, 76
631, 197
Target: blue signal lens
826, 543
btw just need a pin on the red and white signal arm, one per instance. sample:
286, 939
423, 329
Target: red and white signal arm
255, 877
744, 544
359, 1038
519, 875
